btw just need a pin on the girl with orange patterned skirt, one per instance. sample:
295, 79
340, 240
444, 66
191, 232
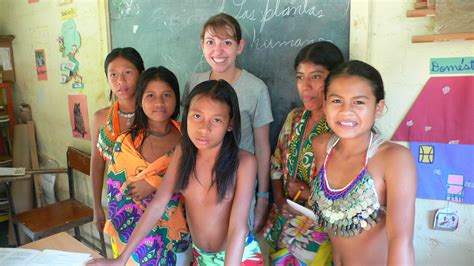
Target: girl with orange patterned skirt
122, 67
140, 160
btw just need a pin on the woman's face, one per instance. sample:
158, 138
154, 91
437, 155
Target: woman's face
310, 82
220, 52
122, 76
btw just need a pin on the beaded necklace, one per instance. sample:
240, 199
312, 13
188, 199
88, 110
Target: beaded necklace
337, 193
128, 116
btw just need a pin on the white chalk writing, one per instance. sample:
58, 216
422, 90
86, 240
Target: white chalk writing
263, 43
274, 10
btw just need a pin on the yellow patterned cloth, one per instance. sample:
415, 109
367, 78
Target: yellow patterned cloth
298, 240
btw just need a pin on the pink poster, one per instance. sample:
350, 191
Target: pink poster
79, 116
442, 113
40, 59
32, 1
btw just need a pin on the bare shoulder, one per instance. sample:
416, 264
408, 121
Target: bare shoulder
247, 164
246, 159
396, 162
100, 115
394, 153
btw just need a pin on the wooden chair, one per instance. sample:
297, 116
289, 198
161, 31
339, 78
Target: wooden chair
63, 215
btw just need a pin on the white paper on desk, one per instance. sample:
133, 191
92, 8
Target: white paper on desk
302, 209
60, 258
17, 256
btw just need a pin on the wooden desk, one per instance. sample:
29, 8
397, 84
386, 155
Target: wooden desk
62, 241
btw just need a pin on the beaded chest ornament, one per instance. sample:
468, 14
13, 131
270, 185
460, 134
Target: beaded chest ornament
350, 210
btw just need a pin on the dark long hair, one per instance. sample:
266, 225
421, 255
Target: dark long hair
140, 122
322, 53
223, 173
128, 53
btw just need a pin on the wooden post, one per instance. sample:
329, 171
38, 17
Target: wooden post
35, 164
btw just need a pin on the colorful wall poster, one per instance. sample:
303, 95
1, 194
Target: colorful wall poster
40, 59
79, 116
445, 171
452, 65
440, 127
442, 113
69, 44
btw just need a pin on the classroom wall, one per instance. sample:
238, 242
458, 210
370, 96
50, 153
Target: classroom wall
37, 26
380, 34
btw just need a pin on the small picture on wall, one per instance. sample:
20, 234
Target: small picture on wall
79, 116
446, 219
40, 59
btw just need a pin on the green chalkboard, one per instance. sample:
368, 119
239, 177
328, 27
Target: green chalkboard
167, 32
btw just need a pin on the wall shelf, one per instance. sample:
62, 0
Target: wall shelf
425, 12
442, 37
420, 5
423, 9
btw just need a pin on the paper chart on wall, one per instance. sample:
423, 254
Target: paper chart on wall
69, 44
442, 112
439, 126
445, 171
79, 116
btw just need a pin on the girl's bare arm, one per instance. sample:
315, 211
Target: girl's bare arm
97, 170
238, 222
262, 153
401, 182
